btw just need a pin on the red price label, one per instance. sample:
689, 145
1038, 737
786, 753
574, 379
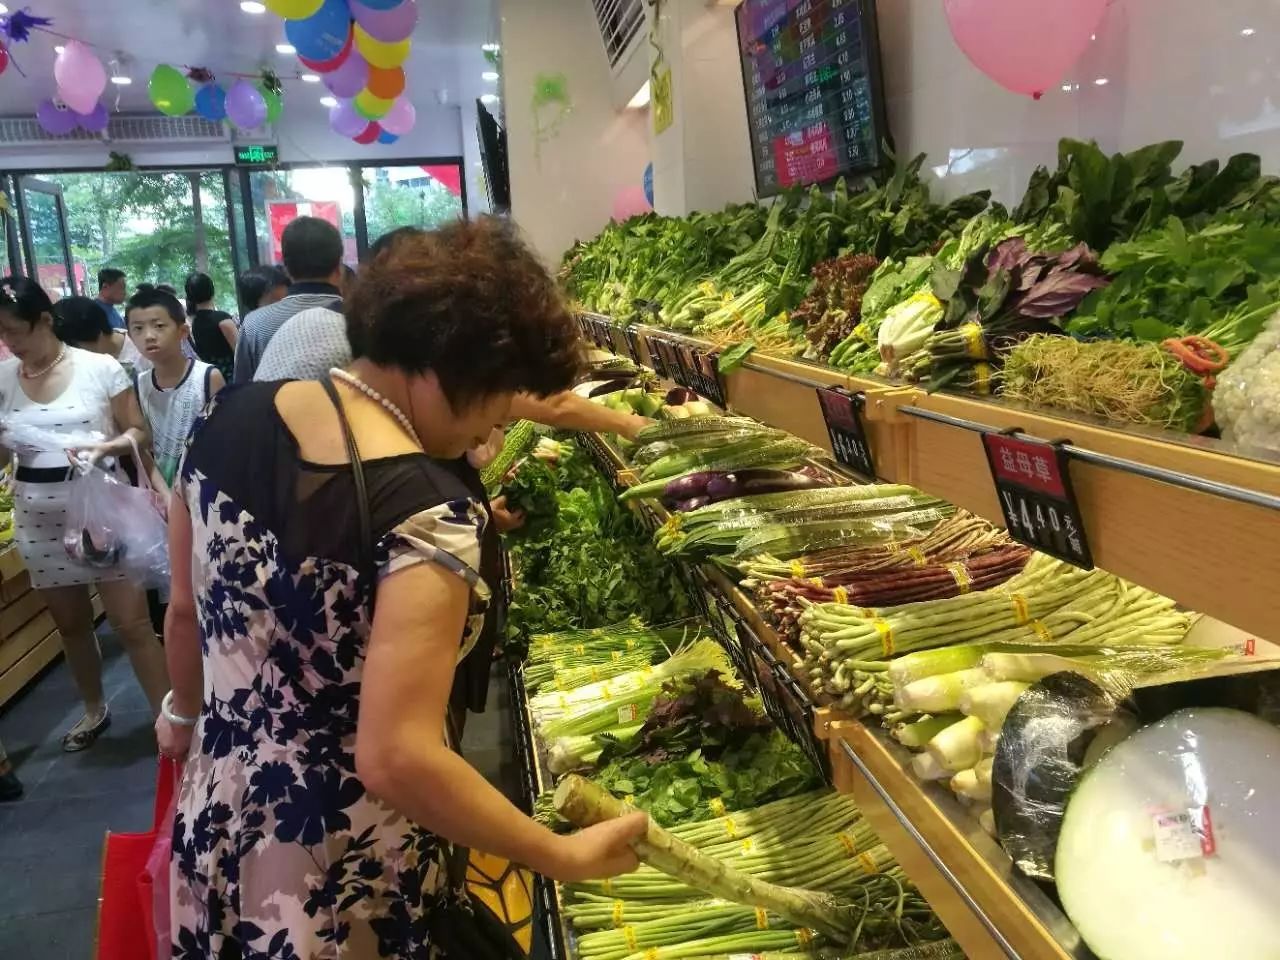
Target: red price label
1033, 484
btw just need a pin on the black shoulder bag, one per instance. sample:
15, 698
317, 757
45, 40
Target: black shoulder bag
461, 925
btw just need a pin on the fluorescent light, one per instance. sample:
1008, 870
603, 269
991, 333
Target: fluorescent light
122, 81
58, 49
641, 99
1101, 82
288, 49
3, 8
489, 98
253, 6
490, 75
328, 101
1066, 88
491, 47
1248, 32
310, 78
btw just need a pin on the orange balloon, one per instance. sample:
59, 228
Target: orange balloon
387, 83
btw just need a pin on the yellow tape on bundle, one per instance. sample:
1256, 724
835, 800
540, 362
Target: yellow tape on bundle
917, 555
730, 828
846, 841
1041, 631
973, 346
981, 379
868, 862
1021, 615
606, 885
631, 644
606, 693
580, 649
630, 933
840, 595
717, 807
885, 629
630, 800
618, 907
816, 582
748, 845
797, 569
804, 937
960, 574
616, 655
653, 953
762, 919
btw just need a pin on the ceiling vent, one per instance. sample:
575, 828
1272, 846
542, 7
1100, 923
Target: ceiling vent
25, 131
620, 22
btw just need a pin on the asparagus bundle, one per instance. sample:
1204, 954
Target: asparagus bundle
572, 658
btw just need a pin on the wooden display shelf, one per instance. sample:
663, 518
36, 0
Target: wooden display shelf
1178, 515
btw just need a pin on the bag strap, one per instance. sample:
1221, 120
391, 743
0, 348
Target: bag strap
362, 495
208, 382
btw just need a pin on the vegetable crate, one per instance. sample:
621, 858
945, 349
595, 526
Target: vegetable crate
786, 704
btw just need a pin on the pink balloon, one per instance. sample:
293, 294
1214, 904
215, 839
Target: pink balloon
1026, 46
630, 202
246, 107
96, 120
400, 118
80, 76
348, 79
344, 120
56, 120
389, 26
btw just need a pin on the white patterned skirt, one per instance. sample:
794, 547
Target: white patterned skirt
40, 520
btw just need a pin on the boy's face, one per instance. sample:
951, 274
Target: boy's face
154, 332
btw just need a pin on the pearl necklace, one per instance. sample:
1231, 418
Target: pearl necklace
354, 381
40, 373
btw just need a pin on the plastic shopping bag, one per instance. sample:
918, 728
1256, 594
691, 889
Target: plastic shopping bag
153, 884
114, 526
25, 440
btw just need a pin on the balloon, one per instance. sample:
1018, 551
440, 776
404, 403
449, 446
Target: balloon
387, 136
333, 63
400, 118
274, 104
96, 121
344, 120
629, 202
349, 78
170, 91
293, 9
4, 59
80, 77
322, 35
371, 107
1024, 45
381, 4
386, 84
211, 102
55, 119
648, 183
379, 54
369, 135
390, 25
246, 107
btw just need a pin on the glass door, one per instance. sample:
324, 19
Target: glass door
43, 218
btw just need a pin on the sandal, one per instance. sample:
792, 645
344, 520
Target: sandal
85, 732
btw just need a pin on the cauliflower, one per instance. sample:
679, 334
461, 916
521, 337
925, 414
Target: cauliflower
1246, 401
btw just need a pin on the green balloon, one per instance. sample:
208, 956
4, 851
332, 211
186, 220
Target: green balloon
275, 106
170, 91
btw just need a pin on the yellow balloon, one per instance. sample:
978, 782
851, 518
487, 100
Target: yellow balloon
294, 9
379, 54
371, 107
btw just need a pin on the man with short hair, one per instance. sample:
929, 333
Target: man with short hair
312, 251
112, 291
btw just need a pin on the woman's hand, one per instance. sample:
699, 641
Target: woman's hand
633, 425
598, 852
504, 518
92, 454
174, 740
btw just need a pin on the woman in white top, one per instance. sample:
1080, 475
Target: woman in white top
50, 385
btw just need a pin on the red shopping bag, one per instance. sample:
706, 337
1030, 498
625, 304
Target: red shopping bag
126, 903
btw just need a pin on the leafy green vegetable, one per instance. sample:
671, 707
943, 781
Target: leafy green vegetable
533, 491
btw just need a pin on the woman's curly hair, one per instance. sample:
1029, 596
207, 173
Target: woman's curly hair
471, 302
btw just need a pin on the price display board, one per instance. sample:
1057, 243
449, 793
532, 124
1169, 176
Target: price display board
842, 413
1034, 487
815, 108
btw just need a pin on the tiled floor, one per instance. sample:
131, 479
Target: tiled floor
51, 840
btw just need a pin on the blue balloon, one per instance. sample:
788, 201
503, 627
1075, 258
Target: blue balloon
323, 34
648, 184
383, 4
386, 136
211, 102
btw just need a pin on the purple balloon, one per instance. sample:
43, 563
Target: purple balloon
390, 25
400, 118
96, 121
350, 78
246, 107
56, 120
344, 120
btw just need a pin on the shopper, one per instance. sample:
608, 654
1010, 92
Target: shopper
313, 256
177, 388
320, 795
80, 322
113, 290
58, 388
213, 332
10, 785
261, 287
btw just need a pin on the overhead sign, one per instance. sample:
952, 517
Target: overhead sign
257, 155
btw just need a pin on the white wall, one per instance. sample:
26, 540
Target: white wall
563, 189
1175, 70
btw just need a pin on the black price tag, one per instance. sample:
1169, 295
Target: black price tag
633, 345
671, 357
653, 345
842, 412
710, 382
1033, 483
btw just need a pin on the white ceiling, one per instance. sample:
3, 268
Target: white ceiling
445, 65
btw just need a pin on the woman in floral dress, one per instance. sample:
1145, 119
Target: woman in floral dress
320, 796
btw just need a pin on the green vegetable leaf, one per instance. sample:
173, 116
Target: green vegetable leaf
1150, 328
734, 357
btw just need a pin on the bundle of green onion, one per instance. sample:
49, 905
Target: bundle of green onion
571, 658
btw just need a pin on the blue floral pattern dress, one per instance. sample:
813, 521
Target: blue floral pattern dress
278, 851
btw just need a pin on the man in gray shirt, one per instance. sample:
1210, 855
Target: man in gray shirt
312, 251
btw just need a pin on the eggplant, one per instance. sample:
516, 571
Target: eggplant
677, 396
693, 503
611, 386
688, 486
749, 482
723, 486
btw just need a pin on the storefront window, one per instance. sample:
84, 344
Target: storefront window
281, 196
423, 196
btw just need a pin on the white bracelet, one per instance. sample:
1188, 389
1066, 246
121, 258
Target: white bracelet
166, 708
